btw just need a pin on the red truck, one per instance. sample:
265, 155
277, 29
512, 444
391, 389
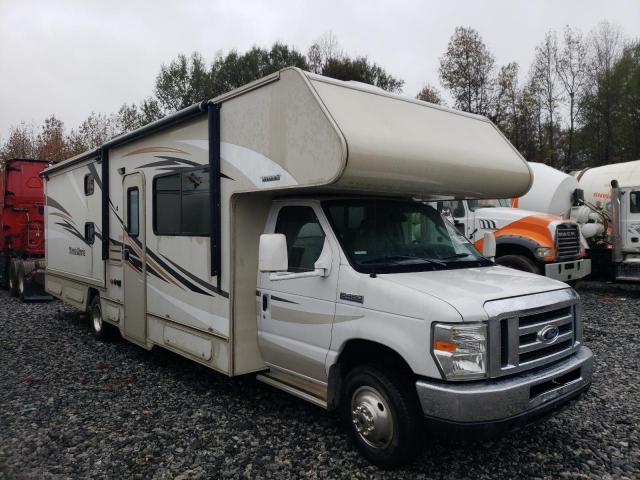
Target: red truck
22, 229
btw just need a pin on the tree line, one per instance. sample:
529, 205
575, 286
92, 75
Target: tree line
578, 105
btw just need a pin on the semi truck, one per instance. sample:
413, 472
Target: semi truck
281, 230
532, 240
22, 229
605, 202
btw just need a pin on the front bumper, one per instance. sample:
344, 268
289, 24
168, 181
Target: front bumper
568, 271
507, 400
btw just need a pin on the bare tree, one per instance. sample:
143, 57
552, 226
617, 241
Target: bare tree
466, 69
546, 78
324, 49
50, 143
506, 102
572, 69
21, 142
430, 94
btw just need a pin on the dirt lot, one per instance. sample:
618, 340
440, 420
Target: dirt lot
73, 407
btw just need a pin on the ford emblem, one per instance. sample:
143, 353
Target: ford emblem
548, 334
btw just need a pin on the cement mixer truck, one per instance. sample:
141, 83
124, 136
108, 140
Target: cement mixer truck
605, 202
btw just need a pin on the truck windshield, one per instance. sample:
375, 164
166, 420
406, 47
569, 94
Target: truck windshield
388, 236
488, 203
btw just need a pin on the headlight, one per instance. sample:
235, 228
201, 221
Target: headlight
542, 252
461, 350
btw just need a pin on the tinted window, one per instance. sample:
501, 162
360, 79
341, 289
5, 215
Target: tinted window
634, 202
133, 212
89, 232
88, 184
305, 237
181, 203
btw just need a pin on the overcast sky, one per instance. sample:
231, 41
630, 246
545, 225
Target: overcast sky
73, 57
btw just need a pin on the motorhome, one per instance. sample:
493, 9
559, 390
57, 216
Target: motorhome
282, 230
605, 202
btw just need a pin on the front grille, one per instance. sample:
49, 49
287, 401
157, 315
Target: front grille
517, 330
567, 240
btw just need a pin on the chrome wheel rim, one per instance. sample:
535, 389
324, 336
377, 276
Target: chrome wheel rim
371, 417
21, 285
11, 282
96, 316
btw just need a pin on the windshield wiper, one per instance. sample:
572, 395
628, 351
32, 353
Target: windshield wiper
402, 257
456, 255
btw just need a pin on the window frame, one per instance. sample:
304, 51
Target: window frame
154, 203
634, 207
128, 229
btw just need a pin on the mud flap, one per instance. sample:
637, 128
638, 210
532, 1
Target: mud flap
34, 287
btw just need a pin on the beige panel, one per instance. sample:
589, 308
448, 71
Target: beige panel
411, 147
250, 216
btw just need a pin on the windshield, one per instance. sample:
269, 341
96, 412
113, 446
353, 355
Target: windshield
387, 236
489, 203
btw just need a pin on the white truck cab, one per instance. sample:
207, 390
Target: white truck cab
273, 231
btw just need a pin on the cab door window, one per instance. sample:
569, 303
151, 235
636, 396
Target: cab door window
305, 237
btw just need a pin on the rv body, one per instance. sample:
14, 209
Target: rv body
532, 240
604, 202
22, 229
273, 230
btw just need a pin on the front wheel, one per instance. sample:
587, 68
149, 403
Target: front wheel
13, 279
383, 416
519, 262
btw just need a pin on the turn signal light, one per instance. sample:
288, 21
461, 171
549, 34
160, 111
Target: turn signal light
443, 346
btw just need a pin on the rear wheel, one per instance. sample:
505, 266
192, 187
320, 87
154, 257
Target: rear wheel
13, 279
382, 414
101, 330
21, 281
518, 262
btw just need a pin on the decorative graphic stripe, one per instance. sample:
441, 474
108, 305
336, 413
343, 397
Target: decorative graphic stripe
199, 281
309, 318
278, 299
94, 172
55, 204
155, 150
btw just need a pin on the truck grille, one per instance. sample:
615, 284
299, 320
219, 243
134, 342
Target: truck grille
567, 240
530, 331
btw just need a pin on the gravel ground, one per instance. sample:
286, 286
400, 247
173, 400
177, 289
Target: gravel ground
72, 407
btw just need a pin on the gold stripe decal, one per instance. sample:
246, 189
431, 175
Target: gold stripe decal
296, 316
155, 150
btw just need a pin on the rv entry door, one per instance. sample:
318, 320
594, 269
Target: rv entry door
134, 255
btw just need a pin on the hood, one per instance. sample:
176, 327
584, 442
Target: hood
504, 215
468, 289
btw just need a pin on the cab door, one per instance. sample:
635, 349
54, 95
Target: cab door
296, 310
134, 255
630, 219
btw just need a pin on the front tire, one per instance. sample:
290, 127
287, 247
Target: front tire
519, 262
21, 281
382, 415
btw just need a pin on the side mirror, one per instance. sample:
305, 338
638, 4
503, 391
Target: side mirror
489, 246
272, 253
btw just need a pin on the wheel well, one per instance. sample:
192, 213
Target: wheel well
91, 294
512, 249
360, 352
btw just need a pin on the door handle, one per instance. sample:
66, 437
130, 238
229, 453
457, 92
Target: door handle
265, 302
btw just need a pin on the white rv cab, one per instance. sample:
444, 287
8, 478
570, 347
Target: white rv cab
273, 230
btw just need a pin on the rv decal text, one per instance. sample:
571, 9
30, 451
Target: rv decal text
81, 252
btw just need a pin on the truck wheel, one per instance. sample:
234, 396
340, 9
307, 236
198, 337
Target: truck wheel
20, 281
101, 330
13, 280
518, 262
383, 416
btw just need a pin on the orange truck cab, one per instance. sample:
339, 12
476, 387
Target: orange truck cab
531, 241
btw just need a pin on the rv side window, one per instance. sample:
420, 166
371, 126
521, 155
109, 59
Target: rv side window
133, 212
305, 237
634, 202
88, 184
90, 232
181, 203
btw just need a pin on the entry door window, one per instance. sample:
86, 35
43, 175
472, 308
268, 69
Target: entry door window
133, 211
634, 202
305, 237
